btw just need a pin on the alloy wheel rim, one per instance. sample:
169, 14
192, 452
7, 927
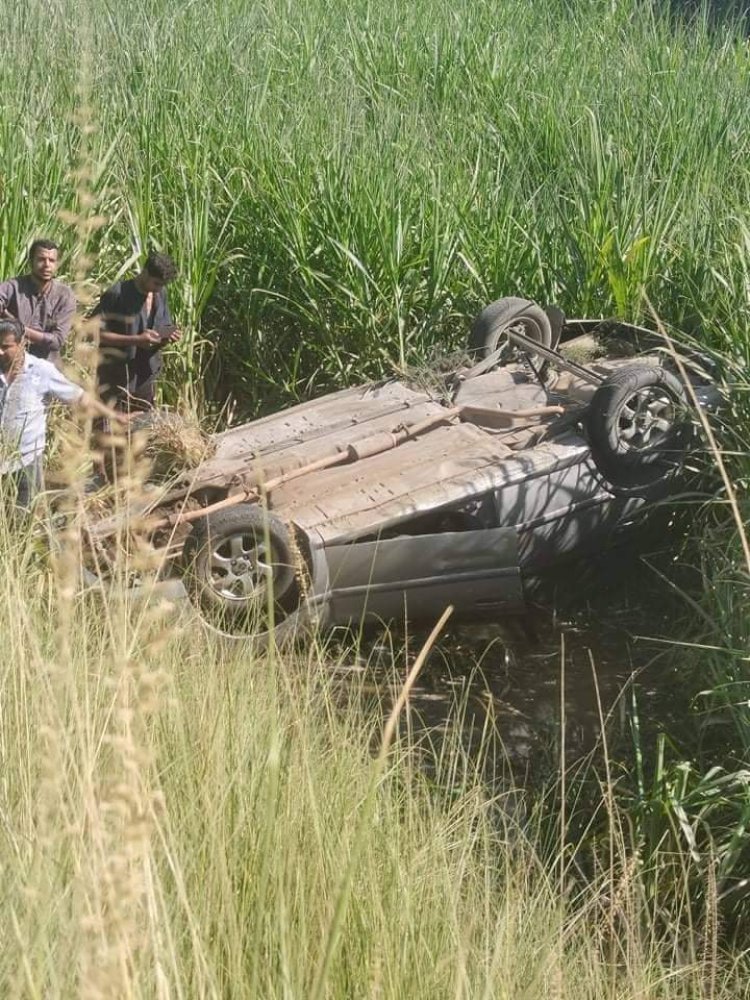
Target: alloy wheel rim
645, 420
240, 568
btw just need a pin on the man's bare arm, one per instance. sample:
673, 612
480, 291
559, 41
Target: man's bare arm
91, 404
41, 337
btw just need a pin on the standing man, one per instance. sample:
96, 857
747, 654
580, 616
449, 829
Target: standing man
44, 306
27, 383
135, 325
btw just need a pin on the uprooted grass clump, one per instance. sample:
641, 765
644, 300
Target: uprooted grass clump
174, 442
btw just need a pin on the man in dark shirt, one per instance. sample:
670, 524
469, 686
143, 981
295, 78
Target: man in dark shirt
45, 307
135, 325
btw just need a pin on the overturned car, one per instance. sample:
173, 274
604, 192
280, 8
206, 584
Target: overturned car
461, 484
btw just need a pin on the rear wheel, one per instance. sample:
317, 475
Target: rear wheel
243, 571
489, 332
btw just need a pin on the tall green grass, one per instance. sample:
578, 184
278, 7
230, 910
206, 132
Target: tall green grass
345, 184
186, 818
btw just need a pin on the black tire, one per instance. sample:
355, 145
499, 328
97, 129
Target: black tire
242, 571
639, 427
487, 330
556, 318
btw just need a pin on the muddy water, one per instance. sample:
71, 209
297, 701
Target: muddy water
541, 684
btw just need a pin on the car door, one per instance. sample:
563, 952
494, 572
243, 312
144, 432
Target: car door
419, 575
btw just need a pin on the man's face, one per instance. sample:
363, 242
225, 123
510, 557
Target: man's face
148, 283
9, 348
44, 265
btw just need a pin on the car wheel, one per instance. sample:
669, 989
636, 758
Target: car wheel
638, 426
489, 329
242, 570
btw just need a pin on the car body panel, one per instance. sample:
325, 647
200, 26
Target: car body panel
457, 466
304, 433
475, 571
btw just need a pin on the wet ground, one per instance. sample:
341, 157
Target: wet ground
600, 647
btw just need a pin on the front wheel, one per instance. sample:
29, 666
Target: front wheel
638, 426
243, 571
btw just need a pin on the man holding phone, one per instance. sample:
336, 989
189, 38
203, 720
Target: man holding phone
135, 325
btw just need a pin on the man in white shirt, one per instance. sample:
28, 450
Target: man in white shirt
27, 383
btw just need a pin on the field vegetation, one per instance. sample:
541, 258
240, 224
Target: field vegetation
343, 186
184, 817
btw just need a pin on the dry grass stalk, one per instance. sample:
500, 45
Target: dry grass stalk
174, 442
430, 374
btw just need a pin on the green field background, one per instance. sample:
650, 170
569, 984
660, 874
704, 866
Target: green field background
344, 185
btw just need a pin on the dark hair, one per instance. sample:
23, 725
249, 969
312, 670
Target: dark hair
41, 245
161, 266
14, 326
